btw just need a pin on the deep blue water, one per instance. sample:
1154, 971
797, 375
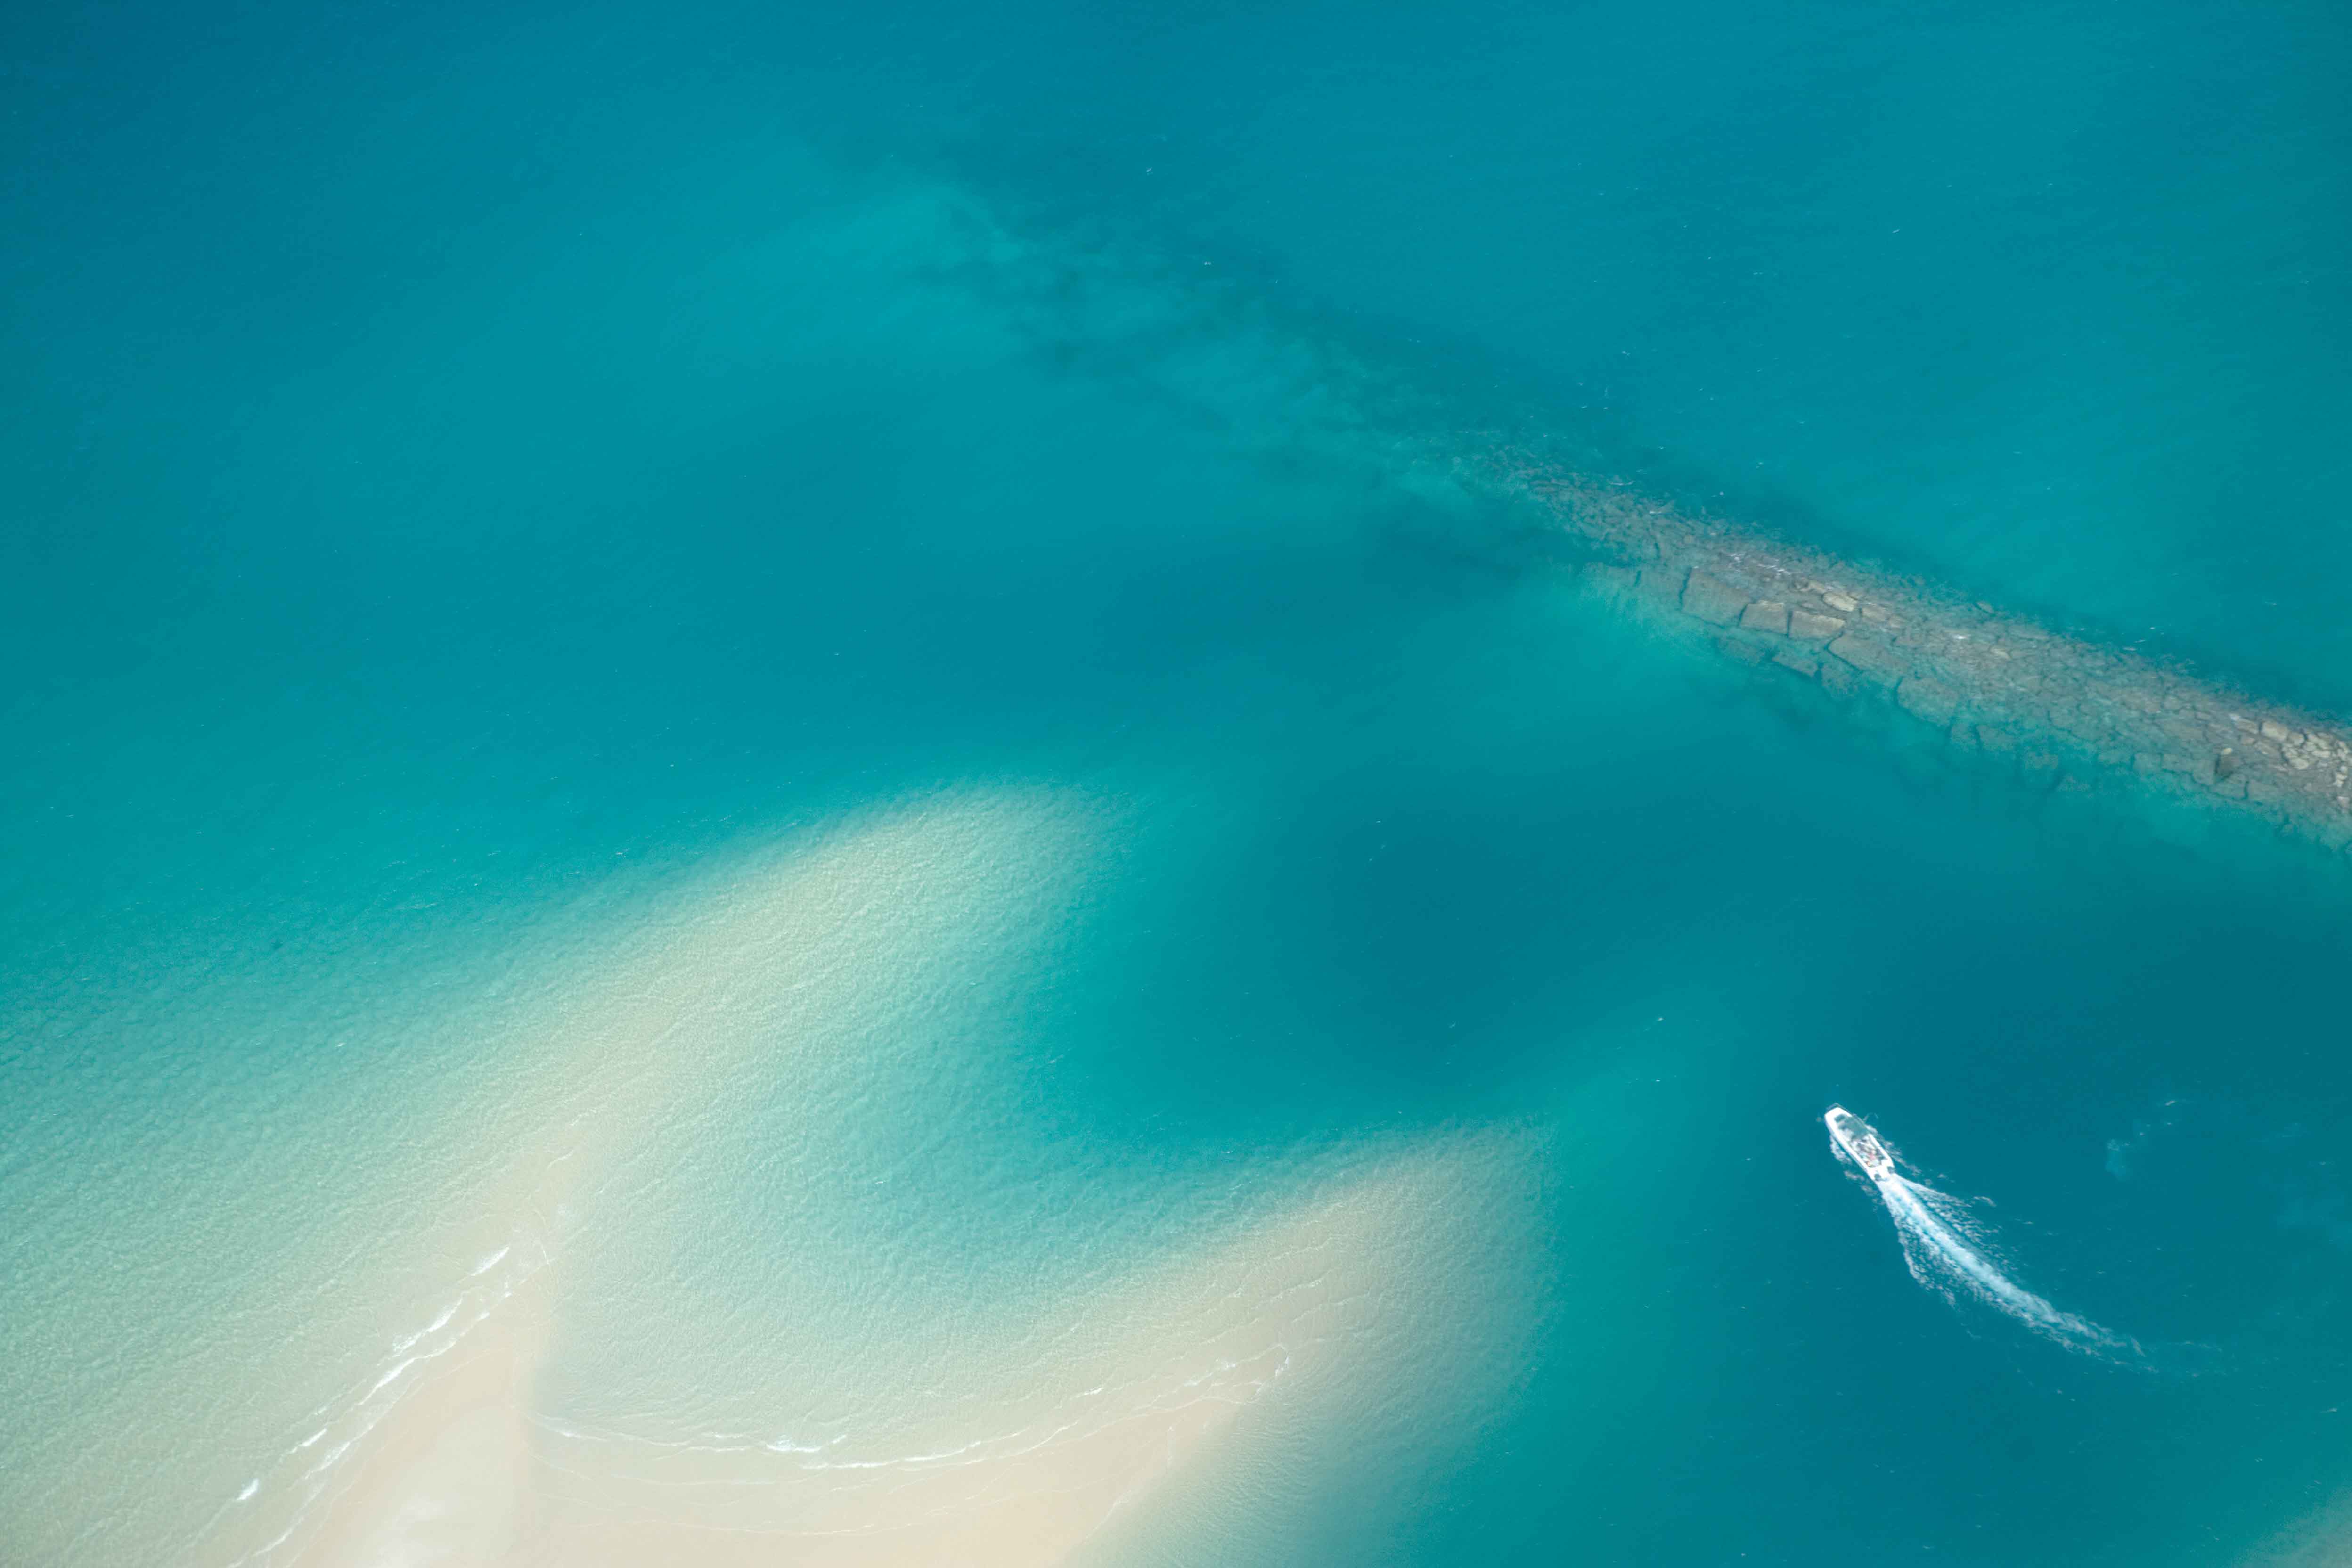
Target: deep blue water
469, 473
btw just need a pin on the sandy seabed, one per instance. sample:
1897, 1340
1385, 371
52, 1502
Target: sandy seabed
1166, 1371
1158, 1396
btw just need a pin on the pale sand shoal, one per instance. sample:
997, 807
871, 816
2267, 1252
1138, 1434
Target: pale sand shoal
1316, 1306
1023, 1450
768, 956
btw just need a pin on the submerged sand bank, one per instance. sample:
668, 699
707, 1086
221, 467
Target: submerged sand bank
2065, 713
1049, 1443
760, 969
1060, 1442
955, 1429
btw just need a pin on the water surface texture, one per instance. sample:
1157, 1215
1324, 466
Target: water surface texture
773, 793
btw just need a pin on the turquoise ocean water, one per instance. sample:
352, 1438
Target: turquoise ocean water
812, 666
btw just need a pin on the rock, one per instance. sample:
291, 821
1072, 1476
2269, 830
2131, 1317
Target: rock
1807, 626
2273, 730
1873, 657
1808, 668
1837, 679
1993, 737
1712, 599
1929, 699
2225, 762
1744, 651
1766, 615
2187, 736
1842, 602
2062, 717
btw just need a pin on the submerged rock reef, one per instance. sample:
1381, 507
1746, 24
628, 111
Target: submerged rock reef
2067, 714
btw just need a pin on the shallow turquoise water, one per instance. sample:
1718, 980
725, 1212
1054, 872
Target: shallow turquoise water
474, 481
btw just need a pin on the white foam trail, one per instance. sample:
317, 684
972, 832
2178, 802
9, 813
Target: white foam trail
1947, 1252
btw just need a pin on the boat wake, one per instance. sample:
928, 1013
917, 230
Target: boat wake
1949, 1251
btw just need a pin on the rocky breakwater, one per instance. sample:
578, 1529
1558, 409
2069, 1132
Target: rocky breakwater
2065, 713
